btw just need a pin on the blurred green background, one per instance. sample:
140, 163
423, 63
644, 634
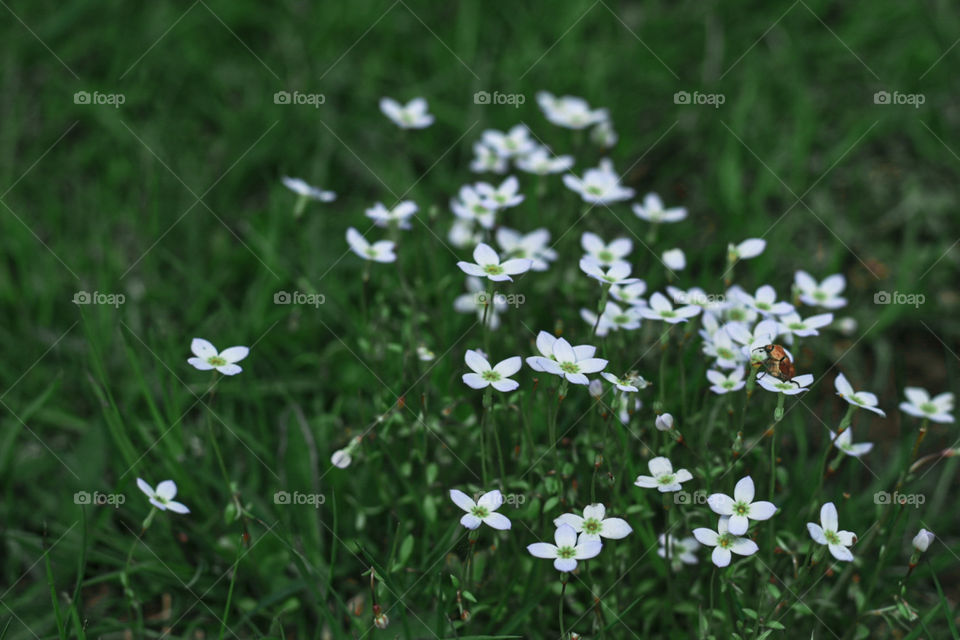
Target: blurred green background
174, 200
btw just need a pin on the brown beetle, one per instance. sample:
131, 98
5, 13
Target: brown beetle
777, 363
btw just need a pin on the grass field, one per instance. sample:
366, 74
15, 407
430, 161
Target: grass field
142, 147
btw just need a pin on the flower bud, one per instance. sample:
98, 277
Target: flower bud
664, 422
921, 542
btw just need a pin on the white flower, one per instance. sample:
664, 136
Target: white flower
652, 210
570, 362
481, 511
765, 301
603, 253
301, 188
424, 354
476, 301
736, 310
541, 161
463, 234
412, 115
630, 294
599, 185
567, 549
844, 442
826, 294
923, 540
595, 388
613, 317
749, 248
789, 388
545, 343
662, 476
400, 214
664, 422
502, 197
618, 273
517, 142
741, 507
726, 383
793, 324
721, 347
921, 405
207, 357
341, 459
488, 265
532, 245
628, 383
827, 533
486, 158
380, 251
674, 259
661, 309
484, 375
862, 399
594, 524
569, 111
603, 134
681, 550
470, 205
724, 543
163, 497
764, 333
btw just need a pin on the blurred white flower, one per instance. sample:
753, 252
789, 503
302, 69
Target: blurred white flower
661, 309
749, 248
603, 134
827, 533
664, 422
724, 543
825, 294
497, 376
569, 362
541, 161
532, 246
412, 115
486, 159
301, 188
630, 294
765, 301
516, 142
662, 476
793, 324
488, 265
862, 399
481, 511
424, 354
475, 301
923, 540
163, 497
569, 111
207, 357
502, 197
400, 214
627, 384
652, 210
470, 205
681, 550
921, 405
674, 259
567, 549
381, 251
600, 185
605, 254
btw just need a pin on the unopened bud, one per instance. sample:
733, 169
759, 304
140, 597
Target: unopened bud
921, 542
